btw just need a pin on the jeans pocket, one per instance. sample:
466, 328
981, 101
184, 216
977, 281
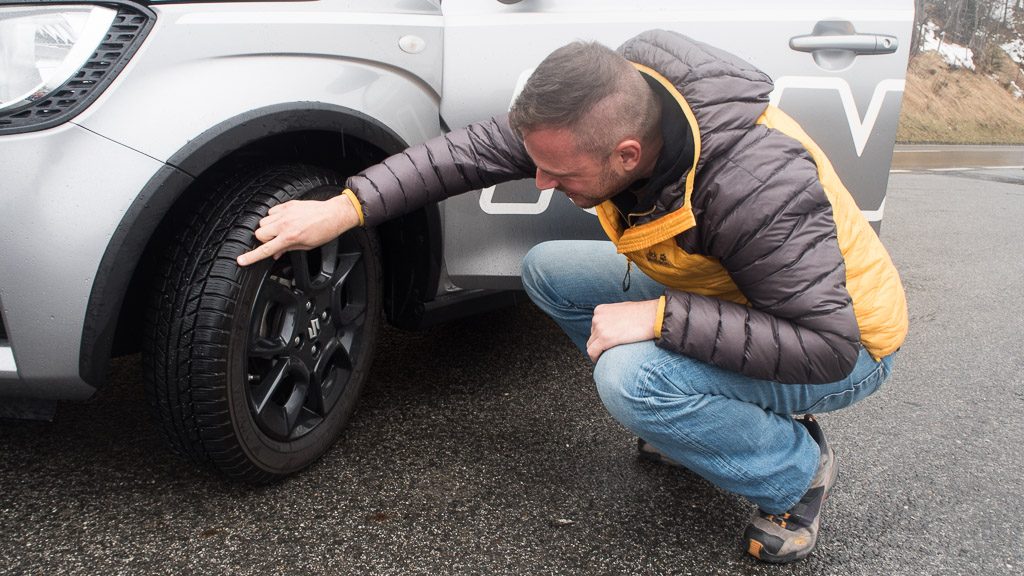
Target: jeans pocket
854, 394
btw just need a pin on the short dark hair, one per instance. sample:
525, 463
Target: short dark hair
593, 91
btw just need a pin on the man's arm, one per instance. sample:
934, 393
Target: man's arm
776, 237
479, 155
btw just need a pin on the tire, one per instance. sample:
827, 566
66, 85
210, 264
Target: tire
255, 371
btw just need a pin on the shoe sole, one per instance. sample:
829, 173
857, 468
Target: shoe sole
755, 550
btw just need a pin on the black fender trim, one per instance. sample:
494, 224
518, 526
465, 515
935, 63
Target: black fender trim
130, 238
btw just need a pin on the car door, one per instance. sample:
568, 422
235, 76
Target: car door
839, 69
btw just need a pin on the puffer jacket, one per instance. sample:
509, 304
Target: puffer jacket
770, 268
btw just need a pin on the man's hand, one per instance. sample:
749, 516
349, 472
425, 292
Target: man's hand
301, 225
621, 323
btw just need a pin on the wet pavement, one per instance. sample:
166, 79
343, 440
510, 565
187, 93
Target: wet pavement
482, 448
922, 156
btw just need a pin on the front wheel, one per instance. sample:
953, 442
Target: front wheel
255, 371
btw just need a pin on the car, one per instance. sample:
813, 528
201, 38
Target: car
141, 143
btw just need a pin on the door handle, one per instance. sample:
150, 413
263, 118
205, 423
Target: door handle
835, 44
860, 44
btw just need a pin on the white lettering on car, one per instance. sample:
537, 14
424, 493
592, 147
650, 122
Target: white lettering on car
487, 203
859, 129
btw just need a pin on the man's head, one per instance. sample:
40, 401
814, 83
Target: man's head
589, 121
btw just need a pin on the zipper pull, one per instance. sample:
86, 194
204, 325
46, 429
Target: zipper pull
625, 279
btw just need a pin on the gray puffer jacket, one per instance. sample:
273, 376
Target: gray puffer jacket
758, 211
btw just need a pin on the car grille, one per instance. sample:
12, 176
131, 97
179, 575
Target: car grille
127, 32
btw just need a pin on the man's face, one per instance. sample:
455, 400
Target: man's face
586, 179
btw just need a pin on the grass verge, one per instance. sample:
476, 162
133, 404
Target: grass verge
947, 106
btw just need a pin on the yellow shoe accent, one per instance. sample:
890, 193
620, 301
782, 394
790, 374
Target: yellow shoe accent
755, 549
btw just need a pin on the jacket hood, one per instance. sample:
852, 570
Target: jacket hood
726, 94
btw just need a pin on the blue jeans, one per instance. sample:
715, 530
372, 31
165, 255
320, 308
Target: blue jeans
735, 431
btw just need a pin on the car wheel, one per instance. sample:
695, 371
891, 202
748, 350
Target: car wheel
255, 371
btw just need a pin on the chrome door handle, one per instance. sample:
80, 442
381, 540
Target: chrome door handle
856, 43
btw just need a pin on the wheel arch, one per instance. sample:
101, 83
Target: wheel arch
411, 245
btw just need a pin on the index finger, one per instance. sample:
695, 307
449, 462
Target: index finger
278, 207
260, 252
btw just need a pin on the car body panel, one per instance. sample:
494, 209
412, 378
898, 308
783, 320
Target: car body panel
324, 52
58, 211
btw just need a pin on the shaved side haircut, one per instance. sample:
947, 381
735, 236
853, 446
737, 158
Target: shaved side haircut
592, 91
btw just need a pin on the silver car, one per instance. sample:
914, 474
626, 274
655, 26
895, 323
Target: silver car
140, 142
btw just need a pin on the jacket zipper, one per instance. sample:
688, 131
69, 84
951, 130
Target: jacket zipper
629, 224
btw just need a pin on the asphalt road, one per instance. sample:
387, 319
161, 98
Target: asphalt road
953, 157
482, 448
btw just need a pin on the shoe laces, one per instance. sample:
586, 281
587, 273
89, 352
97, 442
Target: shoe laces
786, 520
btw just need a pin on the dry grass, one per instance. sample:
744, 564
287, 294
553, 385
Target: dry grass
960, 107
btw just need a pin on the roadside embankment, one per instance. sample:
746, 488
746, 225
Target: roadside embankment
957, 106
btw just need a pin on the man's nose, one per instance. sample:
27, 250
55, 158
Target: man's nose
544, 181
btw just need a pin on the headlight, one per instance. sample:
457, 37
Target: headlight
41, 48
56, 58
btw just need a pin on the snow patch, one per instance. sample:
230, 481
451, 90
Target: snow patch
1016, 91
1004, 11
955, 55
1015, 50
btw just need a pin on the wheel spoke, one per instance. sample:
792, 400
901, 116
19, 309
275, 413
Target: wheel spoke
347, 302
332, 374
320, 382
343, 354
313, 269
328, 259
275, 291
260, 395
300, 270
293, 407
273, 319
267, 348
352, 315
346, 262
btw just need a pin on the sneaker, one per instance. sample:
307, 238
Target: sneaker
651, 454
781, 538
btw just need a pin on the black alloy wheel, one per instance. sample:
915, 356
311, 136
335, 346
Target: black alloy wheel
305, 328
255, 371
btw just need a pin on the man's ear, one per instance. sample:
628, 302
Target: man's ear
627, 155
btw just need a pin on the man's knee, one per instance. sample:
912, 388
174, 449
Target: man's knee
620, 375
637, 380
535, 263
543, 271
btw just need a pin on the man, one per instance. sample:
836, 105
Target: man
761, 291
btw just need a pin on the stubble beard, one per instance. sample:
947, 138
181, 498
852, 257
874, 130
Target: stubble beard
609, 185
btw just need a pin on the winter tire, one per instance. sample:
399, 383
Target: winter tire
255, 371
